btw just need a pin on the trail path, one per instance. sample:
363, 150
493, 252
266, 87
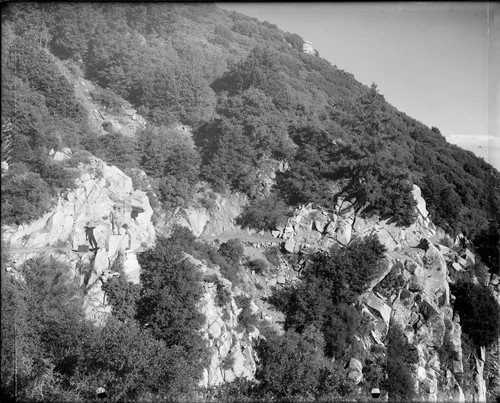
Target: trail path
42, 249
244, 236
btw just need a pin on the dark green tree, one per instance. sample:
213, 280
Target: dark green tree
291, 365
478, 310
232, 250
400, 357
171, 289
25, 195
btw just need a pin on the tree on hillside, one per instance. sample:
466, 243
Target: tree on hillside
291, 365
479, 312
401, 356
171, 289
169, 155
34, 65
378, 176
229, 161
132, 365
43, 330
25, 195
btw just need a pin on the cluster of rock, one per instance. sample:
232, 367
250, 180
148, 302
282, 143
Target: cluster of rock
317, 228
421, 307
217, 219
307, 47
61, 231
230, 343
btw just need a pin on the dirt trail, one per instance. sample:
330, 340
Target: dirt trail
42, 249
244, 236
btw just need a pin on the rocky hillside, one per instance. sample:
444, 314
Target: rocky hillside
284, 233
413, 290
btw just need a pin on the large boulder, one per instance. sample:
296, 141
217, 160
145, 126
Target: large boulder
380, 309
421, 204
343, 230
290, 246
435, 276
355, 371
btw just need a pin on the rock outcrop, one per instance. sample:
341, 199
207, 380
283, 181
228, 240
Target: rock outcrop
318, 228
61, 231
307, 47
230, 343
422, 307
210, 222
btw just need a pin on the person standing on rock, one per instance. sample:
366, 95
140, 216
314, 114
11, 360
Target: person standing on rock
115, 220
89, 235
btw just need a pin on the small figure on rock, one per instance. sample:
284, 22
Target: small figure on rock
115, 220
89, 235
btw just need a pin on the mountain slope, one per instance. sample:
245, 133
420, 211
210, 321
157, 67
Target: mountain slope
250, 92
238, 129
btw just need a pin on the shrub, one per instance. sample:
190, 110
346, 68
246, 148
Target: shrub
43, 328
79, 157
223, 296
57, 177
241, 390
447, 241
175, 192
291, 364
393, 282
247, 28
295, 41
115, 149
134, 366
246, 318
374, 368
209, 201
122, 296
481, 272
232, 250
171, 290
258, 265
273, 255
222, 36
108, 99
341, 328
231, 272
400, 381
400, 356
186, 241
265, 214
478, 310
293, 368
346, 272
25, 195
310, 304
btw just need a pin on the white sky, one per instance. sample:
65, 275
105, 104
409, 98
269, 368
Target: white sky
437, 62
